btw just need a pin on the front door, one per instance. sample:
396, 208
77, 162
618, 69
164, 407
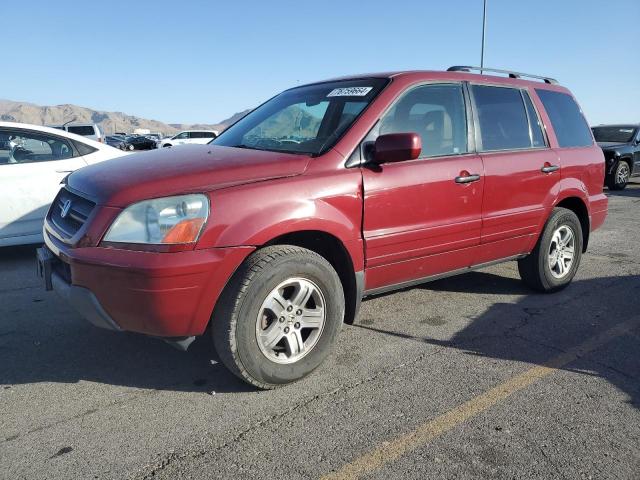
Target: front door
423, 217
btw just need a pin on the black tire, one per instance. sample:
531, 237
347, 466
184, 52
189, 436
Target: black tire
618, 179
234, 319
166, 145
535, 270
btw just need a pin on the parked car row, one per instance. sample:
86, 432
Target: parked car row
132, 142
140, 141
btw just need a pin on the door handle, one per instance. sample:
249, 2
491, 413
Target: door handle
549, 168
469, 178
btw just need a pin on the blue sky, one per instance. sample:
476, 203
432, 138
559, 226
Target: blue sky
201, 61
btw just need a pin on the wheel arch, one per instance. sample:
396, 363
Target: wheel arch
336, 253
579, 207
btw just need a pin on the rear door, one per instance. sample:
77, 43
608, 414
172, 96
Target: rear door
521, 171
423, 217
32, 166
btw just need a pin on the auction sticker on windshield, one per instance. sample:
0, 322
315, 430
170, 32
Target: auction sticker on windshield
349, 92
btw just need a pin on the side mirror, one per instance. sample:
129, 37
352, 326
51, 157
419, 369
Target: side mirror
397, 147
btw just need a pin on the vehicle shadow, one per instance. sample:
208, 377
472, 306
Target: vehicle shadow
632, 191
539, 327
43, 340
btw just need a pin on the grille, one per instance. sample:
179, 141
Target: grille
69, 212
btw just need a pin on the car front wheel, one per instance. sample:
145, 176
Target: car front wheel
620, 177
555, 259
279, 316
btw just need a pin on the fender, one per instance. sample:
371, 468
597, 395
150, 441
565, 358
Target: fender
565, 188
254, 214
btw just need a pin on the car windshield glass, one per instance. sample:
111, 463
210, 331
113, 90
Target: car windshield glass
306, 120
613, 134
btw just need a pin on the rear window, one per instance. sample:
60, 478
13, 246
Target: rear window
504, 124
81, 130
566, 118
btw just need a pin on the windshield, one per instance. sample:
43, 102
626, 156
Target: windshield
613, 134
305, 120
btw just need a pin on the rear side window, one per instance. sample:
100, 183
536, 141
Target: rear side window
502, 117
566, 118
84, 130
84, 149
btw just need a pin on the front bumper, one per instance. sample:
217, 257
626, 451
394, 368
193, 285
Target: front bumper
158, 294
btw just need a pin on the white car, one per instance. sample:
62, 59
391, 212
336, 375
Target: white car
33, 162
190, 136
89, 130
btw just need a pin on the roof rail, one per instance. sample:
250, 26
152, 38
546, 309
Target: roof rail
464, 68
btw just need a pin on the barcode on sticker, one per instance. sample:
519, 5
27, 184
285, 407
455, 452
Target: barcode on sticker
350, 92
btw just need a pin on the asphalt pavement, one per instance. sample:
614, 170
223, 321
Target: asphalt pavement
470, 377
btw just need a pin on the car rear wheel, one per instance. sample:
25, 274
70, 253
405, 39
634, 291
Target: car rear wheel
279, 316
555, 259
620, 177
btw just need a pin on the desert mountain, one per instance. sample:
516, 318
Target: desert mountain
109, 122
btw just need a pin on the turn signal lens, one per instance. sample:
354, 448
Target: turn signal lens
186, 231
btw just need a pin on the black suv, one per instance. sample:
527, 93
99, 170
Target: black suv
621, 147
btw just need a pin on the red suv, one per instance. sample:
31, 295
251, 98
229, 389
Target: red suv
271, 235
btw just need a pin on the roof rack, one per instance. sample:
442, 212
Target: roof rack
464, 68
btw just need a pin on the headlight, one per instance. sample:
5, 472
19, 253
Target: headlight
167, 220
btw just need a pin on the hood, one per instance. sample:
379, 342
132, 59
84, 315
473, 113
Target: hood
184, 169
611, 145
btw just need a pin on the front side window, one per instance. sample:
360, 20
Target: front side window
436, 113
502, 118
307, 120
181, 136
28, 147
566, 118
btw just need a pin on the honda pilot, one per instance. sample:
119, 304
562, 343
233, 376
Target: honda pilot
269, 237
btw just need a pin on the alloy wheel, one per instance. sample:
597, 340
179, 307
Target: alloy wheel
290, 320
561, 251
622, 174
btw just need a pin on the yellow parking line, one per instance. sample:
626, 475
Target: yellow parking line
392, 450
